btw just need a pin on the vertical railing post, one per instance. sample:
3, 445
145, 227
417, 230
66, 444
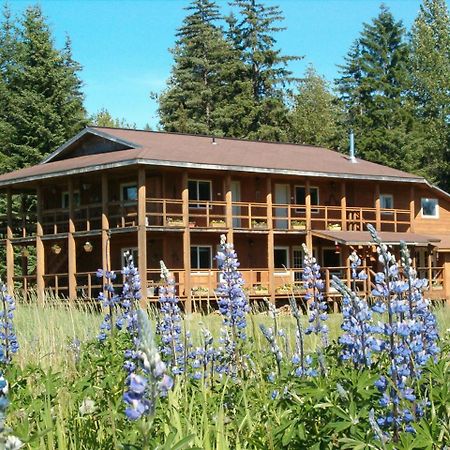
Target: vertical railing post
412, 209
308, 215
71, 245
270, 240
229, 208
142, 234
186, 242
40, 251
377, 207
343, 207
106, 257
8, 243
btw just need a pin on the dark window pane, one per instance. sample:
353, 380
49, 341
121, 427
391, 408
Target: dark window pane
280, 257
192, 187
194, 258
204, 190
300, 195
314, 196
129, 193
205, 257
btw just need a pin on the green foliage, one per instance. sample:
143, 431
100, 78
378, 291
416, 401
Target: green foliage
103, 118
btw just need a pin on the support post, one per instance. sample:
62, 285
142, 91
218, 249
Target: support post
106, 256
186, 243
430, 269
71, 246
40, 251
412, 209
8, 243
308, 216
343, 207
377, 207
142, 234
270, 240
229, 208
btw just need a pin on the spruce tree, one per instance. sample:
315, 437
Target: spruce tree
430, 88
103, 118
316, 116
197, 86
265, 67
373, 87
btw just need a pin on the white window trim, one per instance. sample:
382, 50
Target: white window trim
392, 202
125, 185
278, 271
202, 271
437, 208
199, 206
313, 210
64, 193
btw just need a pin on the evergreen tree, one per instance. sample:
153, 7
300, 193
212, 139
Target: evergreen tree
266, 68
430, 88
373, 87
103, 118
316, 115
198, 85
46, 105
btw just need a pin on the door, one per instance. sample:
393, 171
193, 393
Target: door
421, 262
331, 258
281, 197
297, 262
236, 196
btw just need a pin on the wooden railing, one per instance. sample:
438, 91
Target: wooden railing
212, 214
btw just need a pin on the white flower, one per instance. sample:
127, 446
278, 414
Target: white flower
13, 443
87, 406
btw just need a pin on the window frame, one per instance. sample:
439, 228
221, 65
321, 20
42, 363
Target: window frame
391, 196
313, 210
280, 270
426, 216
126, 185
209, 247
66, 193
191, 201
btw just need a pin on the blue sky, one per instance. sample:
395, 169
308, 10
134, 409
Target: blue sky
123, 44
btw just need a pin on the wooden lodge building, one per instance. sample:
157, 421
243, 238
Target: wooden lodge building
169, 196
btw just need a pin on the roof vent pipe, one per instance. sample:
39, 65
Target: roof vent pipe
214, 140
352, 147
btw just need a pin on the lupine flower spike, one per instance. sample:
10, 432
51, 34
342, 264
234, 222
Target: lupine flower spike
8, 339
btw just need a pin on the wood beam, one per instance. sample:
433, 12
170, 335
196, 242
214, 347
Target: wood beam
40, 251
270, 239
412, 209
343, 206
229, 208
142, 234
186, 243
106, 234
308, 215
8, 243
377, 207
71, 245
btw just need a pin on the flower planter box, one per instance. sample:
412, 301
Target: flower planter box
259, 226
299, 227
218, 224
334, 227
175, 223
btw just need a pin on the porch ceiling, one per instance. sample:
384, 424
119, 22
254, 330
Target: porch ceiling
364, 238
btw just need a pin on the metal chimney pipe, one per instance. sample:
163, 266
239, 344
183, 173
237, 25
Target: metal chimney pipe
352, 147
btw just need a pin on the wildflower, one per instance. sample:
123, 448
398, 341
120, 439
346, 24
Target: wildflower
108, 299
8, 339
13, 443
87, 406
274, 348
169, 325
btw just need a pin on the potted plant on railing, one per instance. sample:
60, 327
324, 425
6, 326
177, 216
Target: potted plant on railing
200, 291
259, 289
218, 223
298, 225
174, 222
334, 227
284, 289
259, 224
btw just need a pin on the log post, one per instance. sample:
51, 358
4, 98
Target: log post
186, 243
71, 245
40, 251
142, 234
270, 240
106, 261
308, 216
377, 207
343, 207
229, 208
412, 209
9, 245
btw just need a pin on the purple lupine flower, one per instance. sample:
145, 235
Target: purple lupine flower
314, 285
8, 339
274, 347
170, 324
109, 300
233, 304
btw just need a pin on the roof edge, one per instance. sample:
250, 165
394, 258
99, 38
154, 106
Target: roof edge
87, 130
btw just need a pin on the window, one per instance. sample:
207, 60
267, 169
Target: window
430, 207
199, 190
65, 199
300, 197
281, 257
200, 257
133, 251
128, 192
386, 201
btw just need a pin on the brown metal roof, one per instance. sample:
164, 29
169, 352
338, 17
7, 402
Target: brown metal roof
364, 238
444, 244
179, 150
